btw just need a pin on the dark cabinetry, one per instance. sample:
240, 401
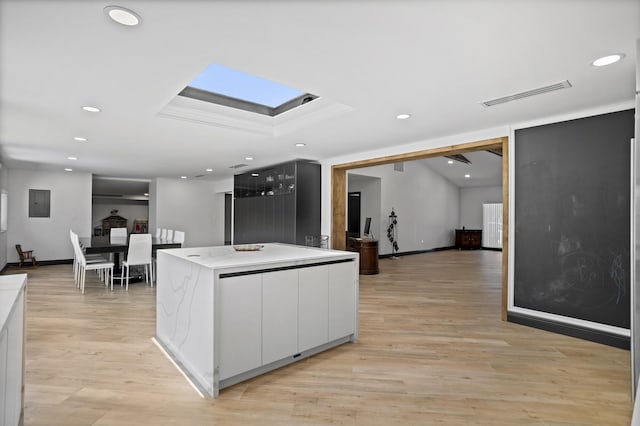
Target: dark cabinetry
277, 204
468, 238
113, 221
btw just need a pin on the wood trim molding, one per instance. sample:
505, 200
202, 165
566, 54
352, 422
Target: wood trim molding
339, 207
494, 143
339, 192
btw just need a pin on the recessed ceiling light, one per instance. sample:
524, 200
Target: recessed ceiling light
72, 158
255, 174
183, 177
91, 109
68, 170
146, 194
300, 144
450, 162
80, 139
607, 60
403, 116
467, 176
122, 15
209, 170
248, 158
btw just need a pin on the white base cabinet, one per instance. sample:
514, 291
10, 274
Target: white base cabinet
313, 307
279, 315
269, 308
12, 310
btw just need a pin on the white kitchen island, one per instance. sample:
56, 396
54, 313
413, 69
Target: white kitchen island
12, 312
225, 316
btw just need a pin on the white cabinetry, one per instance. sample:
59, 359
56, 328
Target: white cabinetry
279, 315
11, 348
342, 299
313, 307
227, 316
269, 316
240, 310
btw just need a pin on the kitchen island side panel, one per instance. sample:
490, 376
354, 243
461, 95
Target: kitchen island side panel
184, 313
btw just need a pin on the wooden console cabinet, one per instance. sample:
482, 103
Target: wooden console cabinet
468, 238
368, 249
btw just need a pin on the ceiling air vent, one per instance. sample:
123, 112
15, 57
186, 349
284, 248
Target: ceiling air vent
237, 166
540, 90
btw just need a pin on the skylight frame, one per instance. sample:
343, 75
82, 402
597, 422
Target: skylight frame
228, 101
221, 85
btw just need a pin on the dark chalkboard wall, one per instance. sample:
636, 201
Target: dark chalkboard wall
572, 218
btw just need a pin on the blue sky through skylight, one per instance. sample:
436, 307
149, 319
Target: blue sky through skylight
236, 84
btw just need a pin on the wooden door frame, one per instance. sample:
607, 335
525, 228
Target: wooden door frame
339, 192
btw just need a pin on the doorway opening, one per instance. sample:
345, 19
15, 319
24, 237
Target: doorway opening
339, 191
353, 215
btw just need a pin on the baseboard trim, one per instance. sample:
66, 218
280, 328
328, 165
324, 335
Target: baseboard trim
40, 263
409, 253
597, 336
492, 248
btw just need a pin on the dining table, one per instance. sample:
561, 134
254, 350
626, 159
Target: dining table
117, 245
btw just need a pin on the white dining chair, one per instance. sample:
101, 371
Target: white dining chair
117, 234
178, 237
158, 232
89, 258
169, 235
163, 234
104, 267
139, 253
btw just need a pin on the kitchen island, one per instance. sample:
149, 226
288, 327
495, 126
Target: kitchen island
12, 312
225, 316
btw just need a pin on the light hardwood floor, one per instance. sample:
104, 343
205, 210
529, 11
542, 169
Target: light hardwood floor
432, 350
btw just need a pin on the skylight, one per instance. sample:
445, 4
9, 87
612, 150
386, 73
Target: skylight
226, 86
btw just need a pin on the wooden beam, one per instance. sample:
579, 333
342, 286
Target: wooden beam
339, 208
427, 153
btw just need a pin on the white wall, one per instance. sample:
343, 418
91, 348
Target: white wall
4, 186
131, 211
48, 237
427, 206
471, 201
188, 206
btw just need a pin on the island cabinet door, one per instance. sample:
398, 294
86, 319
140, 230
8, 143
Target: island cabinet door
342, 300
279, 315
238, 324
313, 309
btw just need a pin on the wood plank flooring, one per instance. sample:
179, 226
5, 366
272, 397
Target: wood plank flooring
432, 350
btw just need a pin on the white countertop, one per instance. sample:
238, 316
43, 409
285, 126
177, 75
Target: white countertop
227, 257
10, 287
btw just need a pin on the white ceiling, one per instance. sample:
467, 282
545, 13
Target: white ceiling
366, 60
484, 169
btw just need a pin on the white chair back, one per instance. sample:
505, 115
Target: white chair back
178, 237
163, 234
158, 232
139, 252
117, 235
169, 235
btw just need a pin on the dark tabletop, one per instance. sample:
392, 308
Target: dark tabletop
103, 245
